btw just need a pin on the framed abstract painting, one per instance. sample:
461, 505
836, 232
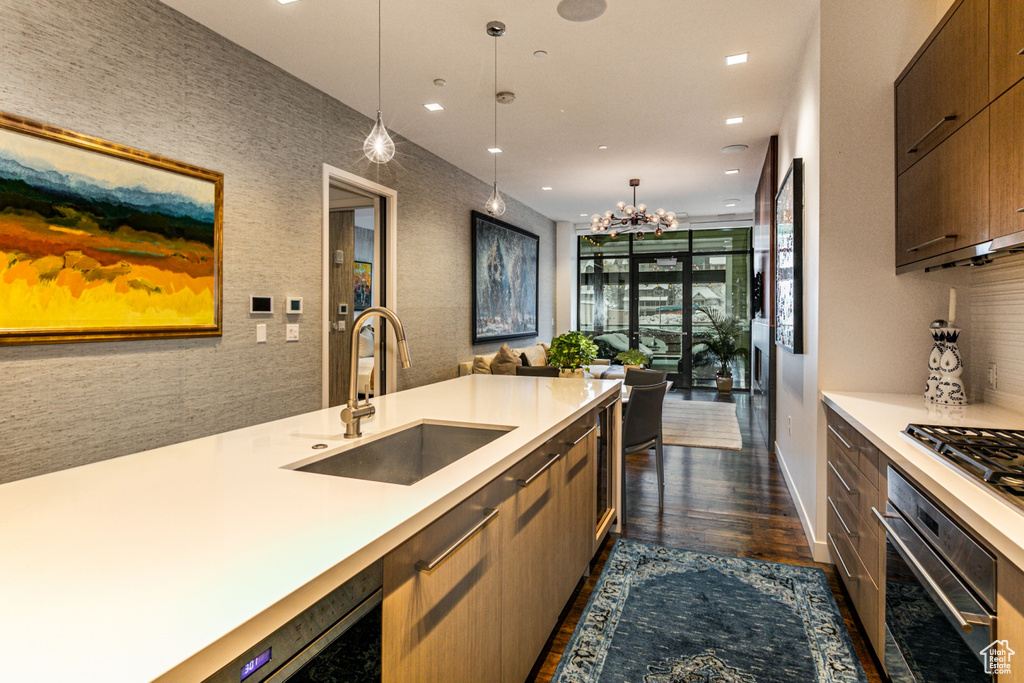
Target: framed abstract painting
504, 280
363, 286
788, 248
99, 241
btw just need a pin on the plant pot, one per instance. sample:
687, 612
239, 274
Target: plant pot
565, 372
724, 384
635, 367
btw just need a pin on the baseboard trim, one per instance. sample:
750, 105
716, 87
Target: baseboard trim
819, 549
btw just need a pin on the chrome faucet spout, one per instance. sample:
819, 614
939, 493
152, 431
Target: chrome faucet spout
353, 412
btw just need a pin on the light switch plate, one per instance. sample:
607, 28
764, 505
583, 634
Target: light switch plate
261, 333
291, 332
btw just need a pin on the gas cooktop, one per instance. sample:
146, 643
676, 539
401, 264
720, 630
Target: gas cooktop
995, 456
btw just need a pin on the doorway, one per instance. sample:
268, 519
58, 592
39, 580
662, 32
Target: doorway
358, 258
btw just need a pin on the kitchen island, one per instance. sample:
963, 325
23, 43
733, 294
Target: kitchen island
166, 564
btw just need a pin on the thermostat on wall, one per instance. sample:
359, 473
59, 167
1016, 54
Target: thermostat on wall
261, 304
294, 305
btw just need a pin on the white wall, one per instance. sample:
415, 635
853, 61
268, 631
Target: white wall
565, 277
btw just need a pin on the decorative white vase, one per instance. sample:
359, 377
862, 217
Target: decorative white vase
949, 387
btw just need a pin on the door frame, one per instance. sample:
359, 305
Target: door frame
681, 380
389, 232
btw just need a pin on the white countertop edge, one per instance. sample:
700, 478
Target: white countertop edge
215, 656
994, 520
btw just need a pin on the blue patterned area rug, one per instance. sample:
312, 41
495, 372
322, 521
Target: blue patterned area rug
659, 615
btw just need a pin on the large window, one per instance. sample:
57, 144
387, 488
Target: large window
644, 294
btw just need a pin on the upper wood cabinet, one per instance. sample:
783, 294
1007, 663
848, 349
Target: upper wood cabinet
945, 86
1006, 163
1005, 45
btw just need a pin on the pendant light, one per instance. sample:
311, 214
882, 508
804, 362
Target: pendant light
379, 147
495, 204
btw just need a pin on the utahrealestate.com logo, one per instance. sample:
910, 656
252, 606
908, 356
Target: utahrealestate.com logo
997, 657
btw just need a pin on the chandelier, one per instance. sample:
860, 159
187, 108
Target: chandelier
634, 219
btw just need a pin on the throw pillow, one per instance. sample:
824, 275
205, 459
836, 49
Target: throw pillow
482, 365
535, 354
505, 361
524, 359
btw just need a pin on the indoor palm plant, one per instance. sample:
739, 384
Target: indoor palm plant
572, 351
718, 344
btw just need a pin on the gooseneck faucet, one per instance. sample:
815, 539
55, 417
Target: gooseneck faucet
353, 411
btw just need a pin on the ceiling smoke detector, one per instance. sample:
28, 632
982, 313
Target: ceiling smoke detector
505, 97
581, 10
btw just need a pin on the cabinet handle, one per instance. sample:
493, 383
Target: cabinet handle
427, 567
930, 242
832, 542
591, 430
843, 481
1020, 210
840, 518
951, 117
542, 470
840, 437
1020, 52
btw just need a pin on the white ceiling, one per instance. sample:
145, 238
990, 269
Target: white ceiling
647, 78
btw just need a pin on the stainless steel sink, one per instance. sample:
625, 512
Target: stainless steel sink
409, 455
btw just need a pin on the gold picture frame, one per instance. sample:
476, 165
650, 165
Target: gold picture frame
103, 242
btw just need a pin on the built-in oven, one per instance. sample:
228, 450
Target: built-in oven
940, 592
336, 639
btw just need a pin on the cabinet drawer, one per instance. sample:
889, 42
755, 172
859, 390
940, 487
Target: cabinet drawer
942, 201
863, 535
856, 447
949, 79
1005, 45
1006, 121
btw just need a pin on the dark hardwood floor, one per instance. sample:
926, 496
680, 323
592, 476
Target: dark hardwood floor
726, 502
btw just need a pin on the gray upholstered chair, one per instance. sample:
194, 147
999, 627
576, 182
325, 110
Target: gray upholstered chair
537, 370
635, 377
641, 427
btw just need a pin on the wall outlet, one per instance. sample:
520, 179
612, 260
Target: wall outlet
261, 333
291, 332
791, 425
993, 376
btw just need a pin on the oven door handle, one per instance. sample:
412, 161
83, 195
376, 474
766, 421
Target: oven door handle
965, 621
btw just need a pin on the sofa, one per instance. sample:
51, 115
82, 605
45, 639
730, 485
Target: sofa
537, 355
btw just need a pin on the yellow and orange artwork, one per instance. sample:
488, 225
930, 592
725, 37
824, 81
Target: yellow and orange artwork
100, 244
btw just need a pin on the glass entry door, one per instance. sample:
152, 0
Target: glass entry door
660, 315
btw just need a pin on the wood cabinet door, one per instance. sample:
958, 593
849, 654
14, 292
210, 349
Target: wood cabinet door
577, 504
1006, 164
445, 624
532, 593
1005, 45
949, 79
942, 203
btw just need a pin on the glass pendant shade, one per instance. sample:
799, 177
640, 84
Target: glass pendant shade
379, 147
495, 204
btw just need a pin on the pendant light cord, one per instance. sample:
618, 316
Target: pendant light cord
495, 94
379, 2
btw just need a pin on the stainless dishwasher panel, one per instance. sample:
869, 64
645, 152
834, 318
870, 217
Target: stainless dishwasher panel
278, 656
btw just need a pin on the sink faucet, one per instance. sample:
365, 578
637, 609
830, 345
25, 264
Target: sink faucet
353, 412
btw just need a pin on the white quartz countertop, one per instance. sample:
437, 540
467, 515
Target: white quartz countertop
165, 565
882, 418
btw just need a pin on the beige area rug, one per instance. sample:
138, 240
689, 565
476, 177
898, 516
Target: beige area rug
700, 423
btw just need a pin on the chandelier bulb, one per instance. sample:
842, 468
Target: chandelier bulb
673, 225
620, 206
495, 204
639, 235
595, 218
670, 216
659, 231
379, 147
630, 209
660, 212
641, 208
614, 234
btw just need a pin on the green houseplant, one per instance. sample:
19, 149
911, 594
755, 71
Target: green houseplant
718, 344
633, 357
572, 351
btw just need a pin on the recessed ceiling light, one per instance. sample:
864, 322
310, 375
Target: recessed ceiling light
732, 171
546, 188
736, 59
602, 146
433, 106
494, 150
581, 10
734, 149
583, 215
439, 82
734, 120
731, 202
540, 53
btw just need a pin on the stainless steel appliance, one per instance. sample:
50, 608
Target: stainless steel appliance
337, 638
940, 592
993, 456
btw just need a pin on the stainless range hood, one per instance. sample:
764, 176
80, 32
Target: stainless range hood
977, 255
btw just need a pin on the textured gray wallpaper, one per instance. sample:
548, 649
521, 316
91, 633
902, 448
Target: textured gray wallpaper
138, 73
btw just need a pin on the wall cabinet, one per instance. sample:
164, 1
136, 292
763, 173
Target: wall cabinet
1006, 45
505, 562
1006, 166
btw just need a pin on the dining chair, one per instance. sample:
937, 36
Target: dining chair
537, 370
641, 427
636, 377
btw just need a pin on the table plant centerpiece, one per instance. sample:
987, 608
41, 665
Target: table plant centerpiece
632, 358
572, 352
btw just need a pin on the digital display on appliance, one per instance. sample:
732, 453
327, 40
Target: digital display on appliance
255, 663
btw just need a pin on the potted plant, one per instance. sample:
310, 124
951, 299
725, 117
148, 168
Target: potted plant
718, 345
572, 352
632, 358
